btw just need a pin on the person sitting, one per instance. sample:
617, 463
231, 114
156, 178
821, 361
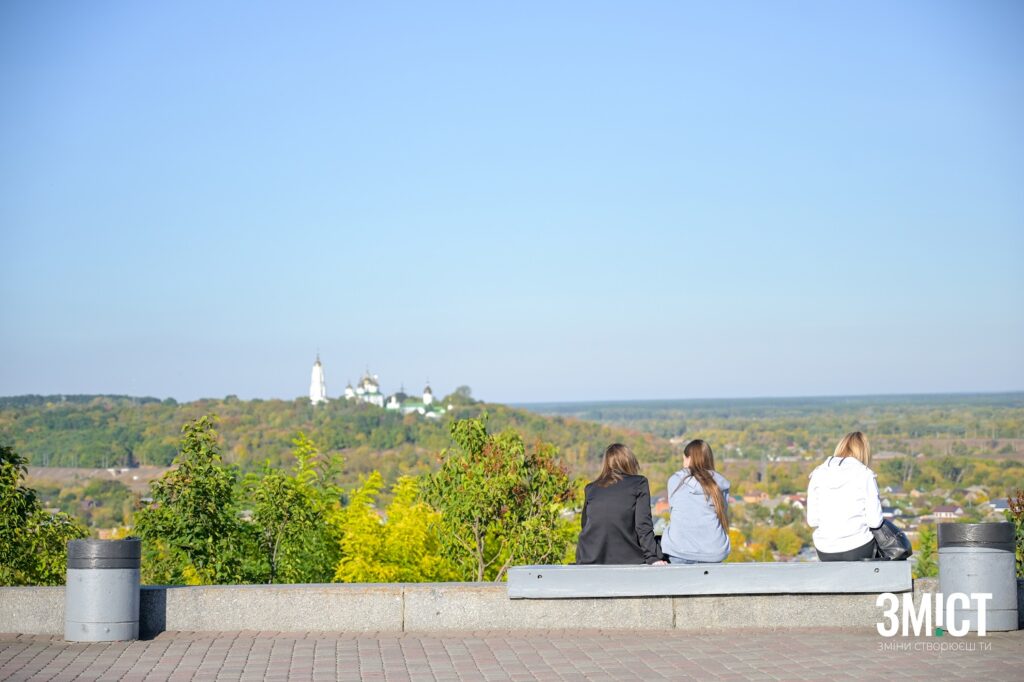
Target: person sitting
698, 529
843, 505
616, 520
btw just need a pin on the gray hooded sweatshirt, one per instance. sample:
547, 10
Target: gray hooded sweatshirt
693, 531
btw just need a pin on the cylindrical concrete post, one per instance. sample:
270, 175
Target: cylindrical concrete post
101, 599
978, 558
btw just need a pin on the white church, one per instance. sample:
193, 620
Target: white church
317, 385
368, 391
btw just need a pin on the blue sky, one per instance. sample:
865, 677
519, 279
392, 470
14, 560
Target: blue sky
544, 201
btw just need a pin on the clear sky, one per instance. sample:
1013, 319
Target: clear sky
545, 201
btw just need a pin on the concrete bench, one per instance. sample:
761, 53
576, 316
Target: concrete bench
568, 582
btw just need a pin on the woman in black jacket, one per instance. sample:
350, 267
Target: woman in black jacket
617, 526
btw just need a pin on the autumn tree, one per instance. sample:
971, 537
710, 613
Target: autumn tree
405, 546
787, 542
33, 542
743, 552
500, 501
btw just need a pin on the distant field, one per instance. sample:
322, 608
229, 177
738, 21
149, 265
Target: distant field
137, 480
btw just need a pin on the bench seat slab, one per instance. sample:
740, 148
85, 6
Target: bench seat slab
567, 582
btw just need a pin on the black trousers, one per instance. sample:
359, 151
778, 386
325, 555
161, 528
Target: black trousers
866, 551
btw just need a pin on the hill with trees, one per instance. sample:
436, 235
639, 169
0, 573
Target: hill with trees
122, 431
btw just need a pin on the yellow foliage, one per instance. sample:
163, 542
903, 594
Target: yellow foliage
120, 533
738, 542
762, 535
742, 552
787, 542
404, 548
192, 576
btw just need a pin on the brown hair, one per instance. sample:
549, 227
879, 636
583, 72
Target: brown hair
702, 466
619, 461
855, 445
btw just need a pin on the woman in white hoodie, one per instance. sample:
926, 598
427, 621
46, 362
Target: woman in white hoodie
843, 504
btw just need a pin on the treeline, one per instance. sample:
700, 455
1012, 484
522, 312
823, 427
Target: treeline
964, 425
118, 431
494, 501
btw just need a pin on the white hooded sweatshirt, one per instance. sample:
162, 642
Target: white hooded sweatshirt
843, 504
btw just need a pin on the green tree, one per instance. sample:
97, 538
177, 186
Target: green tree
291, 514
759, 512
17, 505
191, 532
926, 565
787, 541
33, 542
500, 501
463, 395
1016, 514
404, 548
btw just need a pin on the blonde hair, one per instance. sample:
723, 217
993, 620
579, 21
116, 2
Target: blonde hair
855, 445
702, 464
619, 461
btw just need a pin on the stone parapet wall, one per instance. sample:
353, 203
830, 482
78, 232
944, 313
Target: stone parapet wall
440, 607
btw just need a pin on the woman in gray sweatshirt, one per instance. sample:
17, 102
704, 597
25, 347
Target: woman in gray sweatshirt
698, 530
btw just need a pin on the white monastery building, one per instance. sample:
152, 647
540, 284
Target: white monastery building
368, 391
426, 407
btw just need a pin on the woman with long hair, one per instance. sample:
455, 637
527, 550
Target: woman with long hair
843, 505
698, 529
617, 526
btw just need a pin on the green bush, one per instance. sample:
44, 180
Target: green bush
33, 542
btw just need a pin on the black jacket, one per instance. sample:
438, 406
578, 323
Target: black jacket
617, 527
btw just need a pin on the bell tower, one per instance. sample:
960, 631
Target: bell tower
317, 385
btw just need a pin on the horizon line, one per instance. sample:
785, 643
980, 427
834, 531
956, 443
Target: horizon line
1014, 392
776, 397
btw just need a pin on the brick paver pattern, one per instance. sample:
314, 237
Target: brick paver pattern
584, 655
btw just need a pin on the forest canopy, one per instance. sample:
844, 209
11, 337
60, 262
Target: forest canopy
120, 431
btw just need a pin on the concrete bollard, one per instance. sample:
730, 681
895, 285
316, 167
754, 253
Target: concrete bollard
101, 599
979, 558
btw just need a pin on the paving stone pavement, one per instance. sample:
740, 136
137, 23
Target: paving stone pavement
561, 655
